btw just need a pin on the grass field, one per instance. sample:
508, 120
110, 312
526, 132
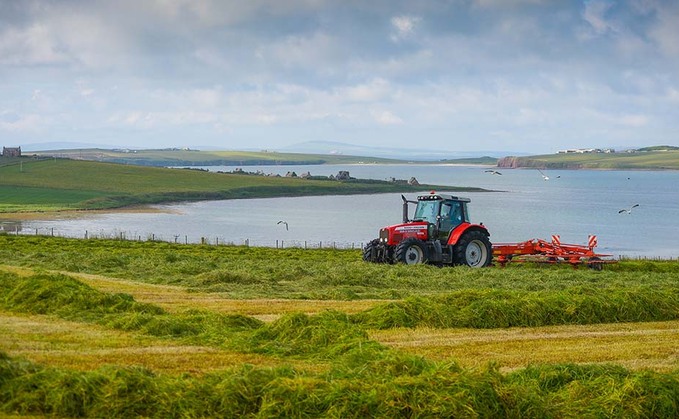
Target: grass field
61, 184
180, 157
649, 160
107, 327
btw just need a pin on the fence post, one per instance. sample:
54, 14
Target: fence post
85, 234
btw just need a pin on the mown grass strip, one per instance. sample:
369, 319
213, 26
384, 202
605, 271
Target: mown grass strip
399, 387
502, 308
636, 346
366, 378
86, 346
240, 272
300, 334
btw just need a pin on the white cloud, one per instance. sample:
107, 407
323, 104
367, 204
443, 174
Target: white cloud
32, 45
404, 27
386, 118
666, 30
375, 90
636, 121
594, 13
270, 70
14, 123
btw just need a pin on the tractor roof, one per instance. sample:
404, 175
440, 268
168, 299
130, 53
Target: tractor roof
433, 196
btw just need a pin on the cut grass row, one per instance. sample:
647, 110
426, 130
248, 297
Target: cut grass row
363, 379
78, 345
636, 346
384, 386
70, 299
333, 363
240, 272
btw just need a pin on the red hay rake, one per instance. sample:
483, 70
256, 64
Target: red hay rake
542, 251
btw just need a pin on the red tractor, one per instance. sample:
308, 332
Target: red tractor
440, 233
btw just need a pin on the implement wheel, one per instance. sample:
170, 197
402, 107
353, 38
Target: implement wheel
595, 263
474, 250
411, 252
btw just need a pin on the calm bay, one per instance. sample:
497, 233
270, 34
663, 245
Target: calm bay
572, 204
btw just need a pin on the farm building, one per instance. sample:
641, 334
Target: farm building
11, 152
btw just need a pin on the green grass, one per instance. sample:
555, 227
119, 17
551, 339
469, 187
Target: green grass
209, 158
364, 379
641, 160
18, 198
325, 274
326, 363
60, 184
395, 387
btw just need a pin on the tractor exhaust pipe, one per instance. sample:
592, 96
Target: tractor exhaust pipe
405, 208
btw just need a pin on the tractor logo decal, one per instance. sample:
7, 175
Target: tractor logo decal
411, 228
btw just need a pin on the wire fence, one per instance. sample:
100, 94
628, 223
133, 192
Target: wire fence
185, 239
223, 241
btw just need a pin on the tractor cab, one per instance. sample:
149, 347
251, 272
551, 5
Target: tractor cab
444, 212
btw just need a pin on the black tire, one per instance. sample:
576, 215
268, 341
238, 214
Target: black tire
371, 252
411, 252
474, 250
595, 264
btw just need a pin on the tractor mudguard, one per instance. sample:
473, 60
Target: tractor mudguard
463, 228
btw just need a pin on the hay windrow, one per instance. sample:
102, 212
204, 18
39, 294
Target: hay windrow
360, 377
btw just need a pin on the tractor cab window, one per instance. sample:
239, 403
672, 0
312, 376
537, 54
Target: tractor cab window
427, 211
465, 215
450, 217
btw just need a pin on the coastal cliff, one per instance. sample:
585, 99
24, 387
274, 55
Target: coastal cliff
512, 162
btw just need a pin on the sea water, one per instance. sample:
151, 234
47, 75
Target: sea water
523, 205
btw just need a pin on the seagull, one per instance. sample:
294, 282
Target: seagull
544, 176
493, 172
628, 210
283, 222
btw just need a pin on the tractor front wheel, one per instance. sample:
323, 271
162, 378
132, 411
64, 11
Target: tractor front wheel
474, 250
411, 252
372, 253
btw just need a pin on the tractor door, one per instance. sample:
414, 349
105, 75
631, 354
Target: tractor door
449, 218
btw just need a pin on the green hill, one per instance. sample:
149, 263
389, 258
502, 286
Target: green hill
653, 159
63, 184
185, 157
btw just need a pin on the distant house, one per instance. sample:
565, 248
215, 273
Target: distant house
11, 152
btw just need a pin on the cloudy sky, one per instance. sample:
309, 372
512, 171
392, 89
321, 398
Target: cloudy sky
461, 75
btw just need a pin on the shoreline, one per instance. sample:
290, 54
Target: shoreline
76, 213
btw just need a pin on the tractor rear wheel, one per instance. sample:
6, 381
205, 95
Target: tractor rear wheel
411, 252
474, 250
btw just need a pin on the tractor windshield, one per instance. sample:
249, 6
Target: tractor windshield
427, 211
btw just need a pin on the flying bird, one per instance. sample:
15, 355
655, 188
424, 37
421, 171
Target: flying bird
628, 210
493, 172
544, 176
284, 222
